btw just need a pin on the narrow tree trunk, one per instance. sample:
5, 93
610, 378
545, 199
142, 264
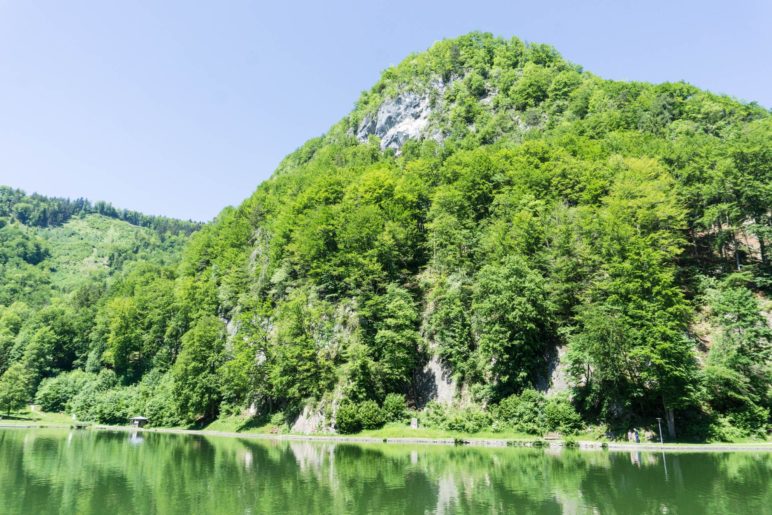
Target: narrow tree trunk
736, 243
722, 245
670, 416
669, 419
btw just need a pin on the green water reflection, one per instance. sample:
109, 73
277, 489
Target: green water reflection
90, 472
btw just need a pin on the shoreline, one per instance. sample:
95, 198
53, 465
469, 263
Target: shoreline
586, 445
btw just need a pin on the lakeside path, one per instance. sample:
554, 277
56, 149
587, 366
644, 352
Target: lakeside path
472, 442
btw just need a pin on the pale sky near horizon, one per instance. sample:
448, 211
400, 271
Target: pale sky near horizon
181, 108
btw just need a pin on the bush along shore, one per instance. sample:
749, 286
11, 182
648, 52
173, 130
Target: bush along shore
410, 436
527, 420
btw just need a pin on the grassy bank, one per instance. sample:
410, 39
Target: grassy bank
26, 418
390, 433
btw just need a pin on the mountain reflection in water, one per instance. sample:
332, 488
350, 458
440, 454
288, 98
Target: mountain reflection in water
97, 472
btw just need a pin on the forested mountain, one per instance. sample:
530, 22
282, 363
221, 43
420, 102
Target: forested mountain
60, 263
488, 212
41, 211
52, 245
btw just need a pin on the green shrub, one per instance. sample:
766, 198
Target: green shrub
83, 404
394, 407
471, 419
370, 415
347, 418
497, 426
113, 406
752, 420
159, 407
278, 419
352, 417
524, 412
434, 415
468, 420
55, 392
106, 379
560, 415
740, 424
102, 400
724, 430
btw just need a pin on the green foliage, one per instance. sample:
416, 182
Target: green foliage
396, 341
394, 408
99, 398
451, 327
630, 345
157, 401
114, 406
243, 375
560, 415
15, 388
84, 404
435, 414
39, 211
347, 418
738, 374
532, 87
469, 419
196, 378
542, 207
352, 417
514, 321
300, 367
724, 429
370, 415
524, 412
56, 261
54, 393
22, 276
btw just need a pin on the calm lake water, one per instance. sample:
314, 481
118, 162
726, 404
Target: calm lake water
93, 472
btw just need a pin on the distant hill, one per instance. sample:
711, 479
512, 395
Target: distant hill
50, 245
41, 211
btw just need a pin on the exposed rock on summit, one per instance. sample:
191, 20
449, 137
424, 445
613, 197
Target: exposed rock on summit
403, 117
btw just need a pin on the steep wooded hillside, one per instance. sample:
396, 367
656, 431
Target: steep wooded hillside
486, 207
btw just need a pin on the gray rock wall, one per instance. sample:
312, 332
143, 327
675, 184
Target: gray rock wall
406, 116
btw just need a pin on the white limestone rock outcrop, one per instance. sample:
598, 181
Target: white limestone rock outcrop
309, 421
398, 119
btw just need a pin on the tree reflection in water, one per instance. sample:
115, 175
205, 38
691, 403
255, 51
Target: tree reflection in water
53, 471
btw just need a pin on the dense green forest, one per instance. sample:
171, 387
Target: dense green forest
60, 261
488, 206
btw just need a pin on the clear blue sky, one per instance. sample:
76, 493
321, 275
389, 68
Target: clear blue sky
183, 107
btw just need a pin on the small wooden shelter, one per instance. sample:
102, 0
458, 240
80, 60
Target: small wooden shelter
139, 421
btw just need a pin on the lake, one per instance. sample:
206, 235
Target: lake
99, 472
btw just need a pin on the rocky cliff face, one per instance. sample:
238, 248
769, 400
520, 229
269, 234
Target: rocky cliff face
435, 382
406, 116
